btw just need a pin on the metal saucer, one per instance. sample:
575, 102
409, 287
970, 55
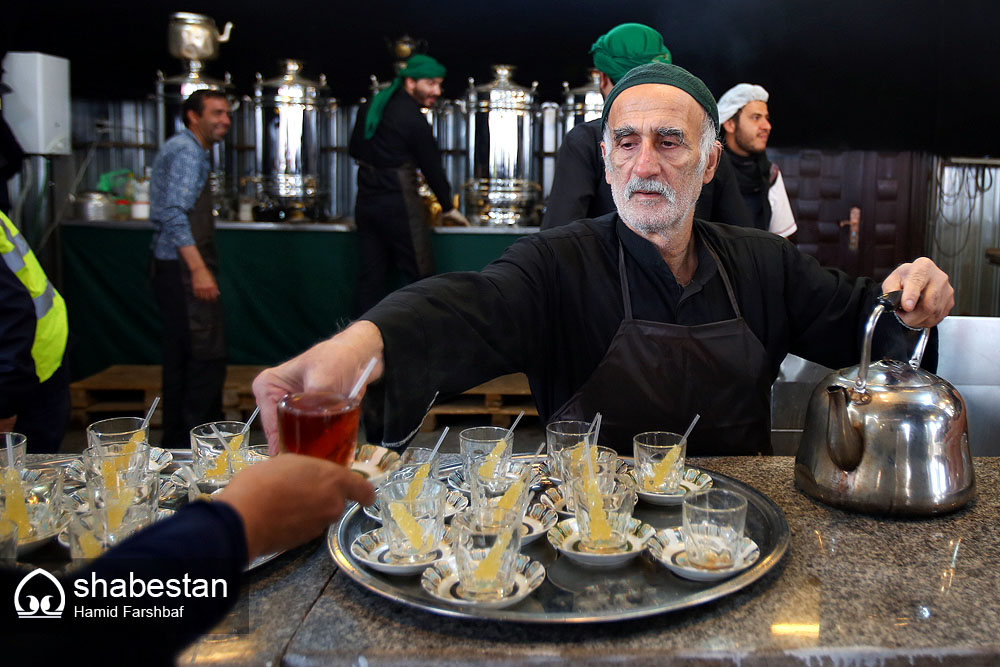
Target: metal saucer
537, 521
441, 582
565, 538
692, 481
667, 547
372, 550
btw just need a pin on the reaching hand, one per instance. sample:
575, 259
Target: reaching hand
928, 296
291, 499
332, 365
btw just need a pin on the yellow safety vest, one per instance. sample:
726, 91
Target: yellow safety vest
50, 309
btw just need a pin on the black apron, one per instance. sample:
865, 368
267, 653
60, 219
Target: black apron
205, 318
657, 376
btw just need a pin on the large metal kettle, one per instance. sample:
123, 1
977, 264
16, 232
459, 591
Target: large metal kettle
886, 438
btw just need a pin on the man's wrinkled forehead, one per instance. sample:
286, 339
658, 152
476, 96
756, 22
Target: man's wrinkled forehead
651, 100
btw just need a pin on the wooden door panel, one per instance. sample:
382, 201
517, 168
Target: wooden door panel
824, 185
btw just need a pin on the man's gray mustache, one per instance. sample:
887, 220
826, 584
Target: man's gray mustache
637, 184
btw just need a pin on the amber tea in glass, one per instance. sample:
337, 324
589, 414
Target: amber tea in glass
320, 424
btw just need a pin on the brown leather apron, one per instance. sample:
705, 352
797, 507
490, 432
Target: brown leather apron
657, 376
205, 318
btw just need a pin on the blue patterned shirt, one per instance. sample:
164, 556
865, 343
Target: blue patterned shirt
179, 174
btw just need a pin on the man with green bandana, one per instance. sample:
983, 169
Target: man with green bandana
579, 189
647, 315
391, 141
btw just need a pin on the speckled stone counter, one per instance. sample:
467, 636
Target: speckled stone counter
852, 589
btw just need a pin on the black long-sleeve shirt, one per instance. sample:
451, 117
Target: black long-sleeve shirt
203, 541
579, 189
403, 137
551, 304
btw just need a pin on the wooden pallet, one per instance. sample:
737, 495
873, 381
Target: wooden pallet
501, 398
129, 390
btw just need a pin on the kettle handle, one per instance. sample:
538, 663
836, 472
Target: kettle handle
889, 301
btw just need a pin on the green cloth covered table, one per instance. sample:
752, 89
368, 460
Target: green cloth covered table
284, 287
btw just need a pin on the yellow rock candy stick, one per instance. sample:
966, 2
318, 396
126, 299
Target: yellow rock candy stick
89, 545
489, 466
599, 528
489, 567
511, 495
661, 469
414, 533
116, 508
417, 483
15, 508
219, 469
579, 449
137, 439
234, 443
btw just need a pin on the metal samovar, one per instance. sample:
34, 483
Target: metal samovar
582, 104
287, 120
502, 187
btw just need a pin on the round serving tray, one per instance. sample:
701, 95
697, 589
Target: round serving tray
576, 594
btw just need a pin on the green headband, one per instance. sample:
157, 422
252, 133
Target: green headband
626, 46
419, 66
667, 75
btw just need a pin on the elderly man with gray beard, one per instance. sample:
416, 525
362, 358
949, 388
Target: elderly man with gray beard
647, 315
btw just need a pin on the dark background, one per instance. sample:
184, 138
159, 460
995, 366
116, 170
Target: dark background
854, 74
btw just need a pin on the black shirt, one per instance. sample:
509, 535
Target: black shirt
753, 174
550, 306
403, 137
202, 541
579, 189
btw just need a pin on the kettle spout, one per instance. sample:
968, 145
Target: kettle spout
843, 439
224, 37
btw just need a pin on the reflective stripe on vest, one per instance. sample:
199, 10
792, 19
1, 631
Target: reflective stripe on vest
52, 328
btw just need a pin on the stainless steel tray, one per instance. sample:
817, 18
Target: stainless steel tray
575, 594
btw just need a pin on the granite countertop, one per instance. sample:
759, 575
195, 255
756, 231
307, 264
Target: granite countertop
852, 589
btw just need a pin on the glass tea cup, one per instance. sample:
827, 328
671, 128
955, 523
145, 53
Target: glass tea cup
103, 463
507, 487
414, 527
417, 456
19, 444
486, 543
33, 500
713, 523
659, 460
319, 424
122, 509
87, 537
482, 443
603, 506
573, 465
561, 435
116, 431
217, 459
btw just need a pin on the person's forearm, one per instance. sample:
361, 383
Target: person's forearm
195, 262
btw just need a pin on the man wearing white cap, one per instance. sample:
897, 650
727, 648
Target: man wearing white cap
747, 126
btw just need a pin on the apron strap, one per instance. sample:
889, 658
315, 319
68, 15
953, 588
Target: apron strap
623, 279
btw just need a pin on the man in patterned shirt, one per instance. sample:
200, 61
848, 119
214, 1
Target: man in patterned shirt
185, 265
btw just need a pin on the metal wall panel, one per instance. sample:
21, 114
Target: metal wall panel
964, 222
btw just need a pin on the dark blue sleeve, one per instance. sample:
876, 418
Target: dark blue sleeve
202, 542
